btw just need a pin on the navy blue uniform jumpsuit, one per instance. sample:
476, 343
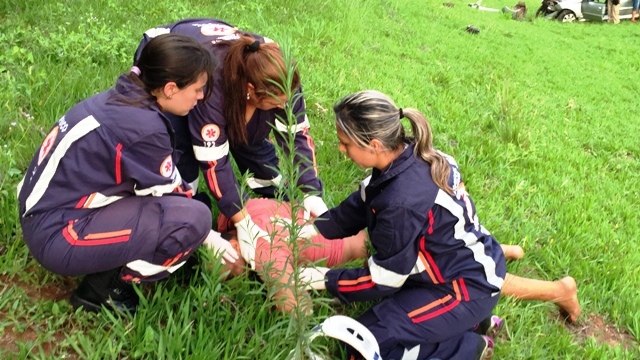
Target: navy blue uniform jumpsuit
437, 269
102, 192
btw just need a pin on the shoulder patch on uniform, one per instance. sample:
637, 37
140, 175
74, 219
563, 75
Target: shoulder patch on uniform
166, 169
157, 31
47, 144
210, 132
216, 30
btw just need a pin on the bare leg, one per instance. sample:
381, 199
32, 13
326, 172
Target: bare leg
512, 252
563, 292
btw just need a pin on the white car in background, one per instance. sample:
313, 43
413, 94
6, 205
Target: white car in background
588, 10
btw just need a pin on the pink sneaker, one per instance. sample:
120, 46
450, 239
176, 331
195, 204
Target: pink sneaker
490, 326
484, 351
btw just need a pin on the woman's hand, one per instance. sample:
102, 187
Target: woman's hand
248, 235
313, 277
314, 205
216, 242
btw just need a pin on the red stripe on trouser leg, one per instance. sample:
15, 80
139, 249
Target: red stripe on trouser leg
96, 239
437, 312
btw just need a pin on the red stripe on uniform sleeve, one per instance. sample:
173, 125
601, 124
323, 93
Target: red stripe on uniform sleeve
356, 288
212, 180
361, 283
118, 166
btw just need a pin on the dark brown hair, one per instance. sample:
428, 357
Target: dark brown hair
171, 58
264, 67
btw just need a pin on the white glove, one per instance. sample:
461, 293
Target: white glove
215, 241
308, 232
313, 277
248, 235
314, 205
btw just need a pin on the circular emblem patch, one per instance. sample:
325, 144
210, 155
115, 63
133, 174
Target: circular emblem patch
216, 30
210, 132
166, 169
47, 144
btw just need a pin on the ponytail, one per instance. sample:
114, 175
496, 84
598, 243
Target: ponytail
368, 115
421, 129
250, 62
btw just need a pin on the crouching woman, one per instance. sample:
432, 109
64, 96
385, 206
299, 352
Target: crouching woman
436, 269
102, 196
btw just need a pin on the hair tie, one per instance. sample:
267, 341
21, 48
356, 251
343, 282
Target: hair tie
400, 113
136, 70
253, 47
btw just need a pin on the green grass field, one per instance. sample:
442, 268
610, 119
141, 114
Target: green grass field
542, 118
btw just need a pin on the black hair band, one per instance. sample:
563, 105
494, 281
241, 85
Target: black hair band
400, 113
253, 47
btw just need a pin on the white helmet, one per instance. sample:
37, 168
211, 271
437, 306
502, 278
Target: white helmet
348, 331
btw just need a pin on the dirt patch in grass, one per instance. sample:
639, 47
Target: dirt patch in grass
596, 326
9, 341
57, 290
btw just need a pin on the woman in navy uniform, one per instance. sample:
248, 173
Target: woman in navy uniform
102, 196
438, 270
246, 104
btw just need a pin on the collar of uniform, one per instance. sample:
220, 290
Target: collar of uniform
400, 164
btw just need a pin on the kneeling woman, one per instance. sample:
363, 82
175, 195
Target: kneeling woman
437, 269
102, 196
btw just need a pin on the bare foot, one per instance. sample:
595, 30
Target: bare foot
568, 302
512, 252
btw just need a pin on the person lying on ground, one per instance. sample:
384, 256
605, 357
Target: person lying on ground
274, 217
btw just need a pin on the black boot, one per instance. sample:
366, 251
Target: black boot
105, 289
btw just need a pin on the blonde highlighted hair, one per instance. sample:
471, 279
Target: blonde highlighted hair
366, 115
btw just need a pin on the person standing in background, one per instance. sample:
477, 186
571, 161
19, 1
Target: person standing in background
613, 11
